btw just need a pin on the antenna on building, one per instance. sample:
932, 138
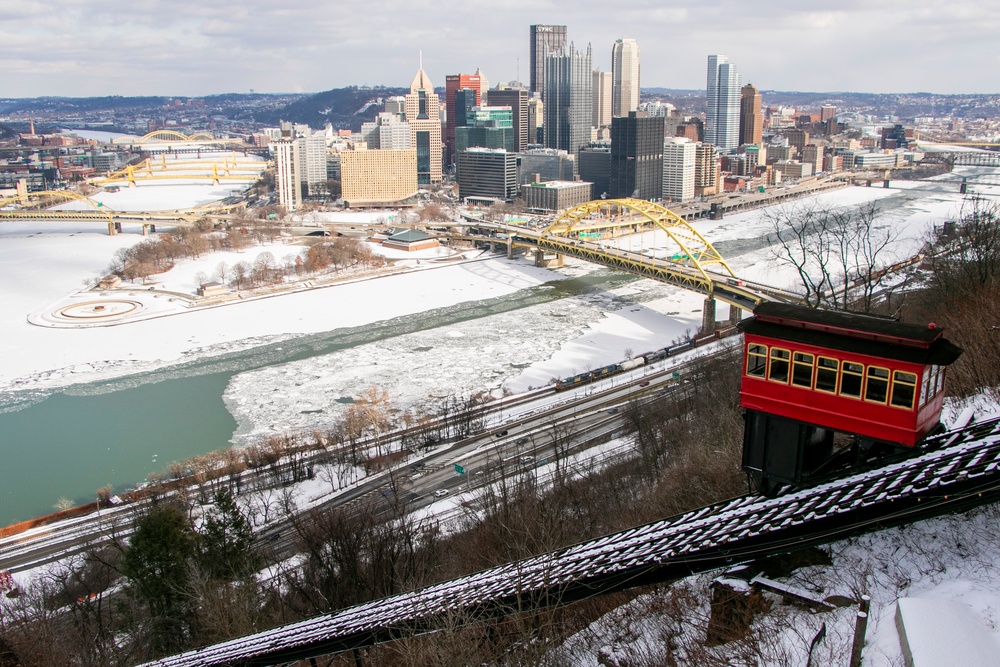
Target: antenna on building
421, 52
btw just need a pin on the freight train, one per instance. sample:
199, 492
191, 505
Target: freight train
643, 359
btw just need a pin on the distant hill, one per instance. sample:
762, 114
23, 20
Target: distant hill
66, 105
341, 107
900, 105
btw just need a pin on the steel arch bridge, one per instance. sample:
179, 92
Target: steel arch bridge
160, 136
37, 205
696, 265
215, 172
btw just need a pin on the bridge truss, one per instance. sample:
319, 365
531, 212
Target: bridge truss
587, 231
192, 170
632, 216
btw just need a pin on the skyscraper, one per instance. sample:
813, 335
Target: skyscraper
545, 39
625, 77
722, 118
568, 99
636, 156
517, 100
602, 98
751, 119
678, 169
422, 113
452, 84
287, 173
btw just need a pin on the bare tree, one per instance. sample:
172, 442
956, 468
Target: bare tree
837, 255
966, 254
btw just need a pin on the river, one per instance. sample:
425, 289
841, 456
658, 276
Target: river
117, 432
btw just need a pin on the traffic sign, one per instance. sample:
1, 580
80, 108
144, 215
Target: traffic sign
459, 469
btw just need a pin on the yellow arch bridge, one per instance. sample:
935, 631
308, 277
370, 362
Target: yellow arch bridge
590, 232
41, 206
162, 169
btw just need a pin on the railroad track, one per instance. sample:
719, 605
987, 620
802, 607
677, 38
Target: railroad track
958, 470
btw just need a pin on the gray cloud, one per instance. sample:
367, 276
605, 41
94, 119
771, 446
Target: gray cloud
189, 47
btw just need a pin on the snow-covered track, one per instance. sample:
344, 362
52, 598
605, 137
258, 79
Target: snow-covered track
960, 470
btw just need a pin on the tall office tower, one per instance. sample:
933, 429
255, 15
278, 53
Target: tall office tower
312, 162
396, 105
452, 84
722, 118
386, 132
487, 127
568, 100
678, 169
827, 112
625, 75
286, 175
636, 156
536, 119
602, 99
595, 168
423, 115
465, 101
545, 40
487, 175
517, 100
484, 86
751, 118
706, 170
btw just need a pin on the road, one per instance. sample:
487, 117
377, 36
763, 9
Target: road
532, 425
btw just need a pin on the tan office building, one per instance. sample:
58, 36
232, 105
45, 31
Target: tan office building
378, 177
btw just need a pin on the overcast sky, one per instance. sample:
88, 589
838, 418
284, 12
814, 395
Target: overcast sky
190, 48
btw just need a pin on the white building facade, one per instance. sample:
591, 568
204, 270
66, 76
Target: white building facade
678, 169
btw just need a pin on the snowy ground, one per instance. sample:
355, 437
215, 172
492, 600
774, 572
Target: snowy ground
43, 264
948, 563
486, 346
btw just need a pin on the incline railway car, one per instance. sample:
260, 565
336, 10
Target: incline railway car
809, 374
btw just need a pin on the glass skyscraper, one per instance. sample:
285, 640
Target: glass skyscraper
568, 100
722, 118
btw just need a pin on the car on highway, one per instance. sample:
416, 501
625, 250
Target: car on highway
520, 441
441, 493
612, 411
526, 460
500, 434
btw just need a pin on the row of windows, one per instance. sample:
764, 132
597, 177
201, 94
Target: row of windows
875, 384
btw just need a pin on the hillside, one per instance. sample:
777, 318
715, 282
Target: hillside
341, 107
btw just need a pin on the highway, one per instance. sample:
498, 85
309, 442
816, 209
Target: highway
531, 425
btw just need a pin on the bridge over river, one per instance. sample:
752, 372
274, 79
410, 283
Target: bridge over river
682, 256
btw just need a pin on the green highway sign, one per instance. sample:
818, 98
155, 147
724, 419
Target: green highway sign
459, 469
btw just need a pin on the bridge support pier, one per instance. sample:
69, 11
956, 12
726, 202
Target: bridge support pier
735, 314
112, 228
547, 260
510, 249
708, 316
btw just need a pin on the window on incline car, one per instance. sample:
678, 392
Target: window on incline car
802, 370
850, 379
877, 386
904, 389
827, 370
779, 365
756, 360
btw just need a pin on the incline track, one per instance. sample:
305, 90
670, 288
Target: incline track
960, 470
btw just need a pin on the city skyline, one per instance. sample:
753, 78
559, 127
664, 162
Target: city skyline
66, 49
